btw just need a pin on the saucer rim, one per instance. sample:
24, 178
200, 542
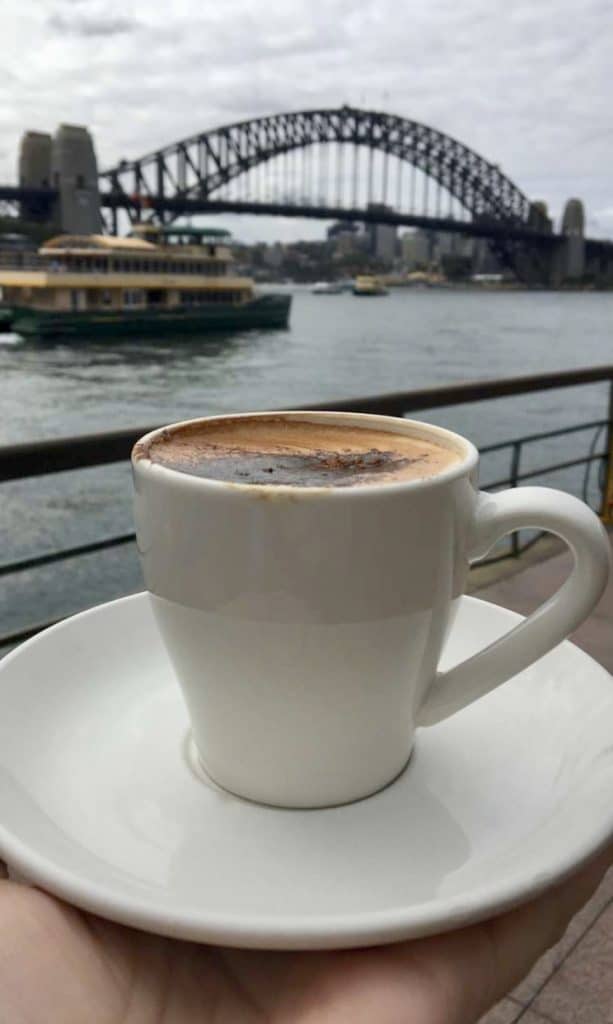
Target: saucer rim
294, 932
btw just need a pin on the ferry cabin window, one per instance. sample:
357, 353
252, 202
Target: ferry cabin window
94, 264
206, 297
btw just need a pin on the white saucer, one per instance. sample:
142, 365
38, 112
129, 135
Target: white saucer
99, 805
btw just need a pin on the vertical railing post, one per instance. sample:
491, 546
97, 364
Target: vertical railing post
515, 459
606, 511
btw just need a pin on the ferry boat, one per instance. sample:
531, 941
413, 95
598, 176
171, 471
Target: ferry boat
368, 284
157, 279
328, 288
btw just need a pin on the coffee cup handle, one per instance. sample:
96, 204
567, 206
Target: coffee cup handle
495, 516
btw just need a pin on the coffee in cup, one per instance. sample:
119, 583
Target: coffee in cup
276, 451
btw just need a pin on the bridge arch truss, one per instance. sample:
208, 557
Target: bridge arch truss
199, 166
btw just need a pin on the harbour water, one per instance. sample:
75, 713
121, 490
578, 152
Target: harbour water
336, 346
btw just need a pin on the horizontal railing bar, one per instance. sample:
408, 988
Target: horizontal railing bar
24, 634
496, 483
57, 556
528, 438
469, 391
505, 555
37, 458
38, 560
546, 469
562, 465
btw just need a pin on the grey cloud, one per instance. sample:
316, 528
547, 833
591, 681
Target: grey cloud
92, 25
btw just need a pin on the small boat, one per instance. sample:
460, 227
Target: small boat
157, 280
368, 284
328, 288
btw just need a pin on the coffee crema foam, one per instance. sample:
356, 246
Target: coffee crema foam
274, 451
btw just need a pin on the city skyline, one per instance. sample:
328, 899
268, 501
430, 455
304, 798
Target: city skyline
526, 90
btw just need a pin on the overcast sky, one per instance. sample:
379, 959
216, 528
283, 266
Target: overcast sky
528, 85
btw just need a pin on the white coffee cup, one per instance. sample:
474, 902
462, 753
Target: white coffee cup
305, 624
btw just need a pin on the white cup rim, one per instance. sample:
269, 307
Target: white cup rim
469, 456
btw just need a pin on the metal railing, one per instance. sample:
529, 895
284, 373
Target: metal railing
39, 458
516, 476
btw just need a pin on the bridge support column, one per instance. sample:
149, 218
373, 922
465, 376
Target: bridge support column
75, 175
569, 263
34, 171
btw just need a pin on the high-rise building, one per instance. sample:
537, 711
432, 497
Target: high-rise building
451, 243
273, 255
345, 238
416, 249
484, 260
382, 237
342, 227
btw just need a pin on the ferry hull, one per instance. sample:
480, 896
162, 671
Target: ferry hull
263, 311
6, 319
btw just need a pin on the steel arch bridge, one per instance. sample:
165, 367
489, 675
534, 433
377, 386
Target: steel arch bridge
191, 175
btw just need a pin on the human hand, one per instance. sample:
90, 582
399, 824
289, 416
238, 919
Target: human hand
61, 966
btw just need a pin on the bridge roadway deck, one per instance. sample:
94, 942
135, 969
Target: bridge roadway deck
573, 982
187, 205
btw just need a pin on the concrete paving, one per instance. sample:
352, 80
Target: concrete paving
573, 982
